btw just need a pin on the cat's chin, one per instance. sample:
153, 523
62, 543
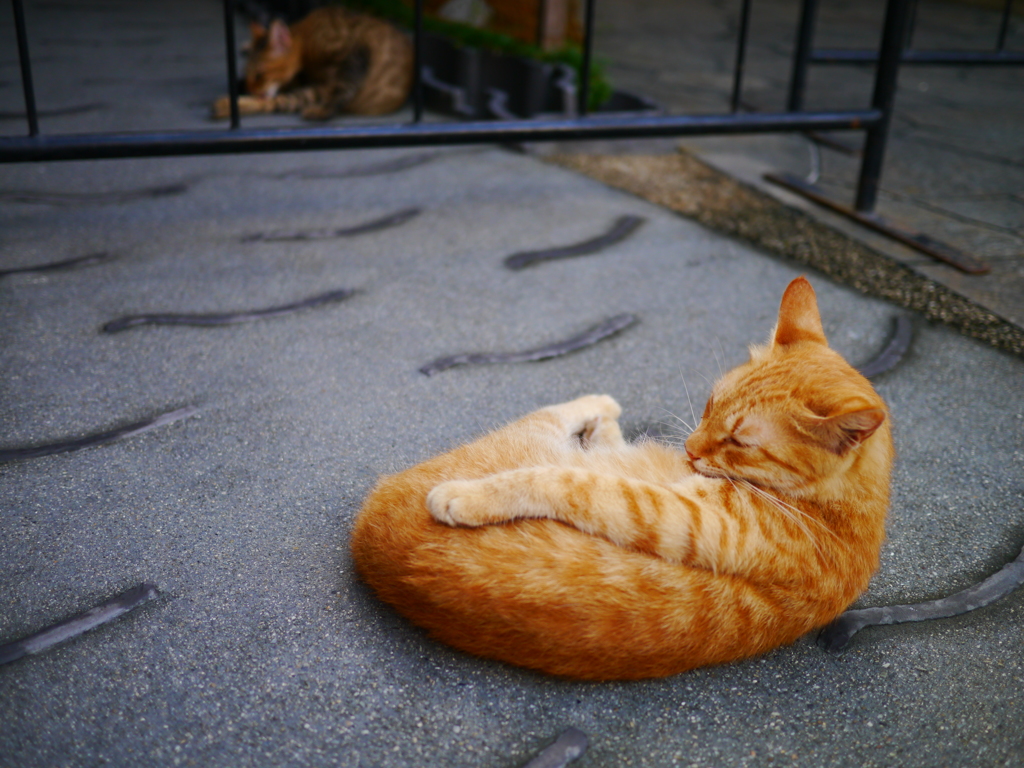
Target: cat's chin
714, 473
704, 469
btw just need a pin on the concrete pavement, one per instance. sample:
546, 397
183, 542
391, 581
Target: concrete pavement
264, 649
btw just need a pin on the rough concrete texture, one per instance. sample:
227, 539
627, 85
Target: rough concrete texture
691, 187
954, 164
265, 649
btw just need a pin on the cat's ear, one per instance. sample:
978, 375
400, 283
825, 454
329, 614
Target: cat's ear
280, 37
256, 30
798, 316
843, 431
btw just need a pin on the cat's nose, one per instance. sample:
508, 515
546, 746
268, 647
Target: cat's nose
690, 454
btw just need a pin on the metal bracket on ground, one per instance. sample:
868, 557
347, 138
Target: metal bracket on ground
912, 238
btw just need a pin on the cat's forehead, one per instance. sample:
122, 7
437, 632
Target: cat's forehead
746, 382
730, 382
755, 388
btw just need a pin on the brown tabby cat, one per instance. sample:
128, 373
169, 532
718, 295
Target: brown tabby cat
553, 544
331, 61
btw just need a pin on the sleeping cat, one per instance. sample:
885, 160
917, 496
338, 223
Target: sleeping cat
332, 61
553, 544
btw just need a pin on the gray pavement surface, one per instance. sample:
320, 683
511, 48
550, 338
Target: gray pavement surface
954, 166
264, 648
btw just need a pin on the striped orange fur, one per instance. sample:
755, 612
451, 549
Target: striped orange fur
553, 544
332, 61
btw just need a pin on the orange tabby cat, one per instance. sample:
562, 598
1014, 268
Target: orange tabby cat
331, 61
553, 544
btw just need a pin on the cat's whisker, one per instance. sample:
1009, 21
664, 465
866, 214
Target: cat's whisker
673, 441
684, 422
782, 507
776, 500
660, 437
780, 504
789, 510
681, 420
721, 347
680, 444
686, 389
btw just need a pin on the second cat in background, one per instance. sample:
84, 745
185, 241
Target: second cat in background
333, 61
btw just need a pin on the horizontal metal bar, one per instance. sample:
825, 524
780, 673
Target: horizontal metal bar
915, 56
164, 144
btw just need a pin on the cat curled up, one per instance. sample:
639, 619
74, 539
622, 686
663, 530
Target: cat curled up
553, 544
332, 61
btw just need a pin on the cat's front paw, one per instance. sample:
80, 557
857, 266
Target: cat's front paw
457, 502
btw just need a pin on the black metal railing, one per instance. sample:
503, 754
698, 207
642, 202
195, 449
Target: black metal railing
805, 54
874, 120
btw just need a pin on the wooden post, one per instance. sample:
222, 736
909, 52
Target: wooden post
553, 24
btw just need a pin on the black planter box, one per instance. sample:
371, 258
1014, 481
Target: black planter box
476, 84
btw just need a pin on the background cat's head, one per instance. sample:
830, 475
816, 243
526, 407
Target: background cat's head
274, 59
796, 415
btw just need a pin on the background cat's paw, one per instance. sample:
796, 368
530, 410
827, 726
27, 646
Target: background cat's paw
452, 503
221, 109
317, 112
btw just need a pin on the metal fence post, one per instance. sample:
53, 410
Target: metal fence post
417, 58
802, 55
232, 56
741, 50
588, 33
886, 77
1004, 26
26, 69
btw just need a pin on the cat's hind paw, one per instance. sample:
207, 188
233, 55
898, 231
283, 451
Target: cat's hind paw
601, 432
594, 406
456, 503
591, 420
